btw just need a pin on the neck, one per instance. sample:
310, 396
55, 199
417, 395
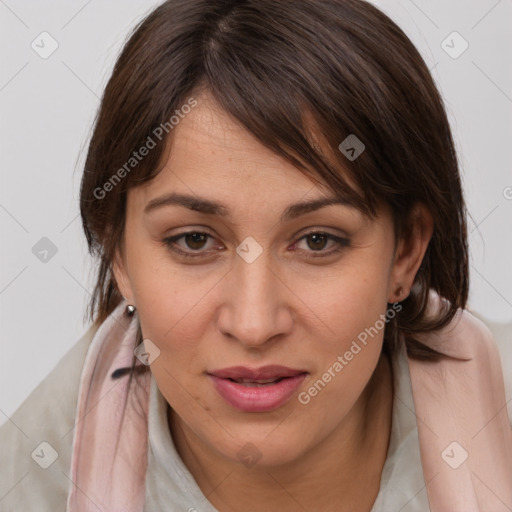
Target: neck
342, 473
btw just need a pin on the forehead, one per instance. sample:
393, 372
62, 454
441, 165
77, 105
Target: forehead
210, 152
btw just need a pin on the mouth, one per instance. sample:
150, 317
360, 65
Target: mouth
257, 390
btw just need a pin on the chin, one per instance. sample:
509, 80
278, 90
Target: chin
263, 447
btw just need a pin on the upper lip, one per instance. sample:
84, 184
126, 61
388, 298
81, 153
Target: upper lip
265, 372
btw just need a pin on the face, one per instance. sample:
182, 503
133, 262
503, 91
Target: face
230, 280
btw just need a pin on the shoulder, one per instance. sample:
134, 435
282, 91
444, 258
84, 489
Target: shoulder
462, 399
465, 337
39, 435
502, 335
482, 352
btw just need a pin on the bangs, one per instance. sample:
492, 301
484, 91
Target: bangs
285, 109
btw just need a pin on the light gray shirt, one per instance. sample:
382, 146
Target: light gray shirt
402, 485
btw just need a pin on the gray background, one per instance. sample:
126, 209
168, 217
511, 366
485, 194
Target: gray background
48, 106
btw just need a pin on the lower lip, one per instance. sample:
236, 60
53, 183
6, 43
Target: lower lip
257, 399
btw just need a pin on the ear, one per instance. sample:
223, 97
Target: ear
410, 250
121, 276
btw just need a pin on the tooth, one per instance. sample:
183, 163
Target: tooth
261, 382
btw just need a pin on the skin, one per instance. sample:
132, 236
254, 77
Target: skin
216, 310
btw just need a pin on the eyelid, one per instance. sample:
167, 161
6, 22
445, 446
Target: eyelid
170, 241
341, 241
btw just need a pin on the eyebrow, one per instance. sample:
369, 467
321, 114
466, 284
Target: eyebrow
210, 207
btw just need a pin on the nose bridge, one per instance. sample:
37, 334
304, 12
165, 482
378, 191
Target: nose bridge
255, 282
254, 311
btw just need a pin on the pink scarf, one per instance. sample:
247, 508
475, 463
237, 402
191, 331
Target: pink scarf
463, 429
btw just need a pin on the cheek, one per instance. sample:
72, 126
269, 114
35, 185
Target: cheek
172, 315
344, 363
352, 307
170, 298
348, 300
172, 311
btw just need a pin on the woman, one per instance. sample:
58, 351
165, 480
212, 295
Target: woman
273, 194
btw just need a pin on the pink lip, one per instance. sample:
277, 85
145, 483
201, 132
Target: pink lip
257, 399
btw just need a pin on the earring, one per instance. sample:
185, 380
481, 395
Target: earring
130, 310
399, 292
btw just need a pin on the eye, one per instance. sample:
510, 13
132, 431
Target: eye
193, 244
317, 241
194, 241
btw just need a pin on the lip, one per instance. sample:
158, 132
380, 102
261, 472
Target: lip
263, 398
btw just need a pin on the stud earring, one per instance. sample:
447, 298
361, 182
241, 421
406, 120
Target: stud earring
130, 310
399, 292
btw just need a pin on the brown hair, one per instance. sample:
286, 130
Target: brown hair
289, 72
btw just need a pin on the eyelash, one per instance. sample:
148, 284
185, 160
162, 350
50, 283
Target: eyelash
342, 243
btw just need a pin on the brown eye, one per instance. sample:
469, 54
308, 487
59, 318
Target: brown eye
195, 241
191, 244
317, 241
320, 244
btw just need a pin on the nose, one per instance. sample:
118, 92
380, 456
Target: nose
255, 309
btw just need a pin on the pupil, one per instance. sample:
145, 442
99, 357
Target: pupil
315, 238
195, 238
